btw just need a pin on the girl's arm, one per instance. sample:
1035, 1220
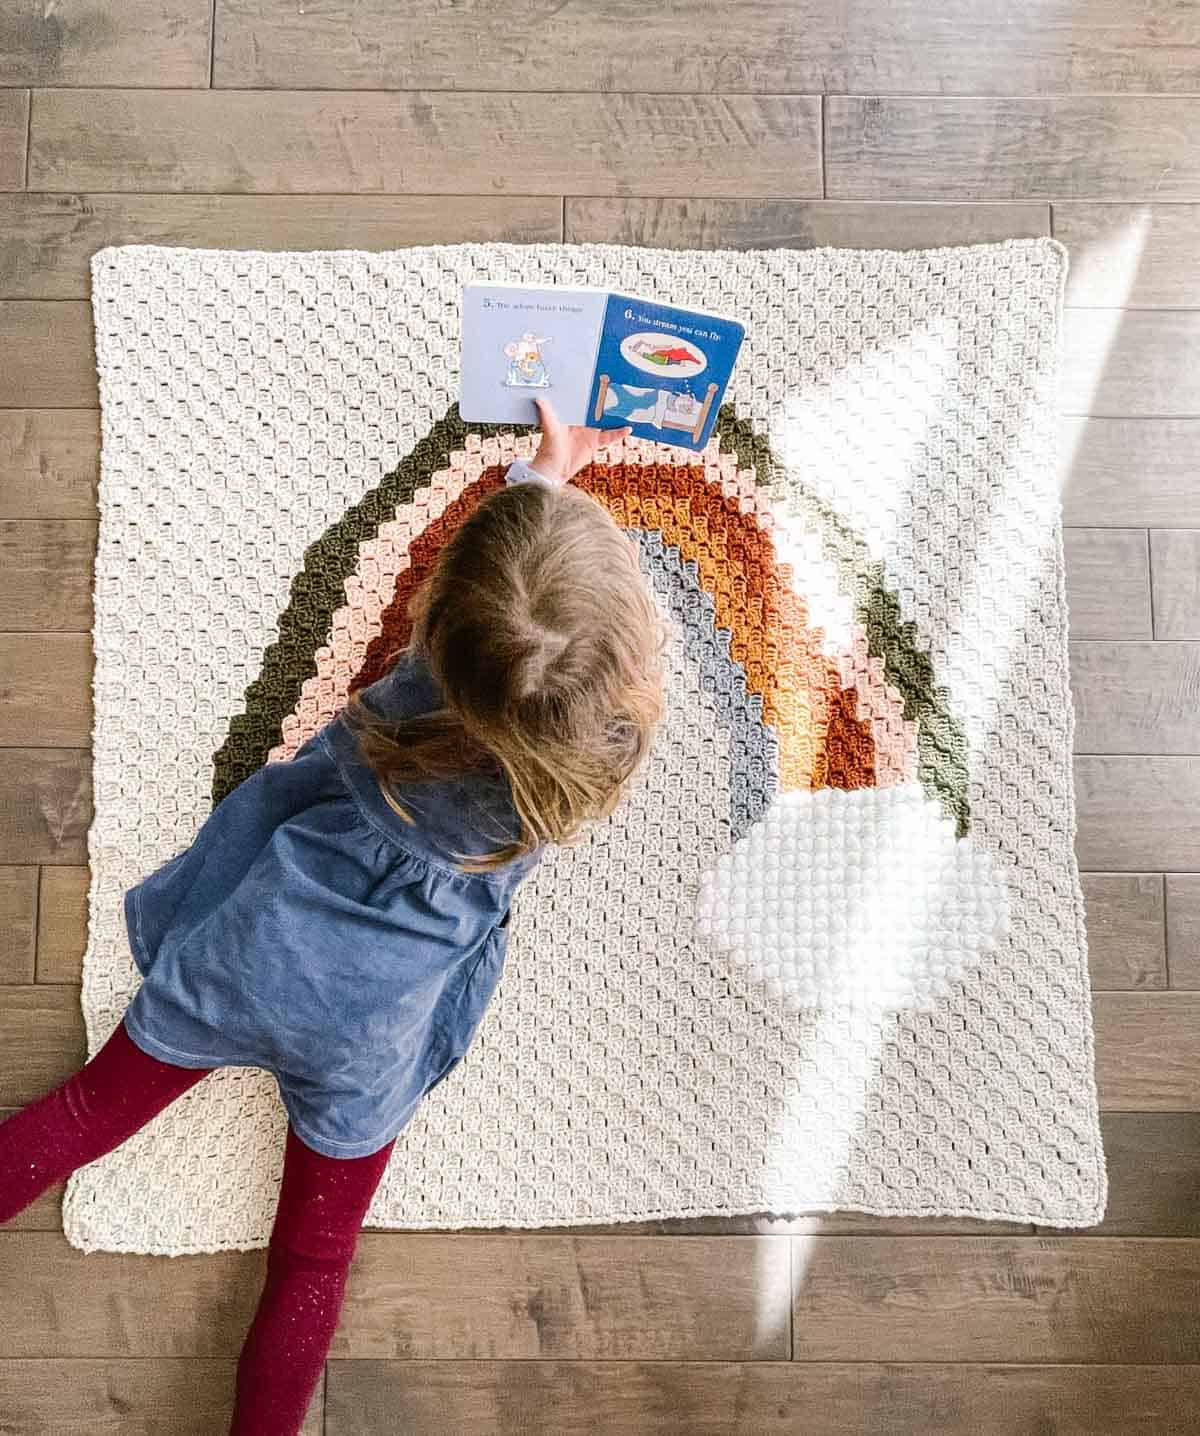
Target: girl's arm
563, 451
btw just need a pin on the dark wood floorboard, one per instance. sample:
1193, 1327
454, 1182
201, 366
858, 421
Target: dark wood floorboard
1045, 147
132, 42
49, 354
164, 1396
14, 130
377, 1398
47, 806
796, 224
1085, 1299
1127, 946
1183, 930
769, 46
18, 923
47, 240
436, 142
1138, 814
49, 462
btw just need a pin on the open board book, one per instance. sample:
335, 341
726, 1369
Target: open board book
602, 358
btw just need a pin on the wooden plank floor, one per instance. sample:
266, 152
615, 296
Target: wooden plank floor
744, 123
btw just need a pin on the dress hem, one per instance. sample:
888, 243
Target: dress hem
347, 1150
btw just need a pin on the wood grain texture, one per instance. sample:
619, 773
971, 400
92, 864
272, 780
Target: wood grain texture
18, 923
47, 240
1183, 929
47, 805
50, 355
1130, 472
1175, 568
1049, 147
1136, 697
587, 1298
43, 1043
60, 1302
1131, 362
796, 224
105, 42
1081, 1299
379, 1398
46, 574
1141, 256
1108, 583
179, 1396
1125, 930
49, 463
584, 1297
755, 45
425, 142
45, 690
416, 1296
1147, 1056
14, 128
1153, 1174
1137, 814
62, 924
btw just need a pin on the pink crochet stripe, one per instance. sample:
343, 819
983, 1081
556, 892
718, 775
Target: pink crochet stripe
381, 560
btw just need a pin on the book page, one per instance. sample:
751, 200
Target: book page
662, 370
520, 343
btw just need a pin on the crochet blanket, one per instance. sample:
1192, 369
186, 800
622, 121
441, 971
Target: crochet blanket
829, 951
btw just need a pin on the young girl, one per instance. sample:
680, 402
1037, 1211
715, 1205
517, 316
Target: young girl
340, 919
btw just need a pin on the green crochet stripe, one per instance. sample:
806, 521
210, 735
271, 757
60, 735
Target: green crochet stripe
317, 592
941, 741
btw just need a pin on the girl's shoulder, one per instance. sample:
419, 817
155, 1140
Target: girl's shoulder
449, 818
407, 690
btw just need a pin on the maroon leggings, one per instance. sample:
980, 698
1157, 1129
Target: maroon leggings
322, 1202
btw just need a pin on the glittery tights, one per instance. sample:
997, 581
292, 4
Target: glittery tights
322, 1202
93, 1111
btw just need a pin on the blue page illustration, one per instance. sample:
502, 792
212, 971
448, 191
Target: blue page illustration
519, 343
662, 370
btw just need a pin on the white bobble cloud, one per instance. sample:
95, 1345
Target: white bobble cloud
863, 898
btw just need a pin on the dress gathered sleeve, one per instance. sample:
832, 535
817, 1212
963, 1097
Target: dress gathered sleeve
521, 471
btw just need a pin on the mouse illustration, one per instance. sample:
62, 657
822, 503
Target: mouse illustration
526, 367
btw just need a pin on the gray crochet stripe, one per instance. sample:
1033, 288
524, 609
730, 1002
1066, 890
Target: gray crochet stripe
754, 745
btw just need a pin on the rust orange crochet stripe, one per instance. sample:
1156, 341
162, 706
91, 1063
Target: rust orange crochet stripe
822, 740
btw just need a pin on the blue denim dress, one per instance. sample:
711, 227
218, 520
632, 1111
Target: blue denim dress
309, 930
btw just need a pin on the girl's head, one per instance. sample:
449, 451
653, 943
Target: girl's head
538, 627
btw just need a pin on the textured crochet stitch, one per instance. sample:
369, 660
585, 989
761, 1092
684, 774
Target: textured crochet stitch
829, 951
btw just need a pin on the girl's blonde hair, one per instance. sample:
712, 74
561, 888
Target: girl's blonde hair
538, 627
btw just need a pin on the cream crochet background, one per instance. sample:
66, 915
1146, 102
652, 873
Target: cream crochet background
630, 1067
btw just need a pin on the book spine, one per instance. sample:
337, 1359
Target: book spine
600, 333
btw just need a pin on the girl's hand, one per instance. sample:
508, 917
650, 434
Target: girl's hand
566, 448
